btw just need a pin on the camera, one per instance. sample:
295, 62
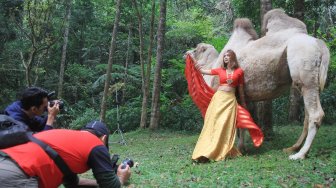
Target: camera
60, 103
52, 102
124, 163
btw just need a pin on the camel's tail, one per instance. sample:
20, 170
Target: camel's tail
325, 57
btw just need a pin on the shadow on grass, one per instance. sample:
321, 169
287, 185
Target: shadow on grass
279, 140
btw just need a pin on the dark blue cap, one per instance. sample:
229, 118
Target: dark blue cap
100, 128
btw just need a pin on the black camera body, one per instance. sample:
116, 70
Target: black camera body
52, 102
60, 103
124, 163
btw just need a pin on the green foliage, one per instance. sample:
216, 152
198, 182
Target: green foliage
128, 114
163, 159
8, 9
252, 12
280, 109
174, 81
183, 34
88, 115
218, 42
328, 102
91, 23
178, 112
181, 115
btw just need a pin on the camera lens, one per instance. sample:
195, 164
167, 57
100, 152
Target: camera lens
128, 162
60, 103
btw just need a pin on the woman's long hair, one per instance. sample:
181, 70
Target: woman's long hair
233, 58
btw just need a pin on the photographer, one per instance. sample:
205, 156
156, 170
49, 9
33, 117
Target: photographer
28, 165
30, 108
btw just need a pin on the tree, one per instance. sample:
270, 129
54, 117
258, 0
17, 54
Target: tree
263, 109
129, 43
64, 48
145, 74
110, 62
36, 31
295, 95
155, 114
265, 6
299, 9
149, 63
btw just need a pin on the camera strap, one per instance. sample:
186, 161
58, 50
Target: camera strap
69, 177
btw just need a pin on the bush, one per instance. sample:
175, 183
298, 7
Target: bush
181, 116
328, 102
88, 115
128, 114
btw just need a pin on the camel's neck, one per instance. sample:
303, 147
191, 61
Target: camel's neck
238, 40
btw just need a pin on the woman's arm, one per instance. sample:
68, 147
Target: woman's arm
242, 96
203, 71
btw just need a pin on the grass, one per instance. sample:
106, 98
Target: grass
164, 160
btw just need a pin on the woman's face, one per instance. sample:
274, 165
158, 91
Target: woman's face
226, 58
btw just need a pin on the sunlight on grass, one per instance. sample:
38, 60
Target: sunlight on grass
164, 160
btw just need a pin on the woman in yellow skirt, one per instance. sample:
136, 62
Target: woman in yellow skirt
216, 141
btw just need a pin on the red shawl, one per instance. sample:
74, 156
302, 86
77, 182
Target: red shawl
201, 94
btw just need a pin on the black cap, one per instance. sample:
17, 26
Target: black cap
99, 128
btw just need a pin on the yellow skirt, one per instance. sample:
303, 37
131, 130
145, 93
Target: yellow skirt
216, 141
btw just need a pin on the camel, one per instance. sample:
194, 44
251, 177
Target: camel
285, 55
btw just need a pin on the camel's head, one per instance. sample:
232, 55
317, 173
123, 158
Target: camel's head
205, 54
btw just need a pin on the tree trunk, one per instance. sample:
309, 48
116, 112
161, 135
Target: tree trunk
110, 62
143, 74
264, 117
64, 48
299, 9
265, 6
155, 114
149, 57
296, 101
263, 109
129, 42
27, 65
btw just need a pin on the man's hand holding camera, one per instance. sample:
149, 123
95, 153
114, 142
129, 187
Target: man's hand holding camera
124, 173
53, 110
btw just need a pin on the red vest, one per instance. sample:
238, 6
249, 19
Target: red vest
73, 146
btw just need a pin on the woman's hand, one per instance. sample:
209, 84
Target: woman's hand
192, 56
242, 96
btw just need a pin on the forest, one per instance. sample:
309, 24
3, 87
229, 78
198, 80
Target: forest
122, 61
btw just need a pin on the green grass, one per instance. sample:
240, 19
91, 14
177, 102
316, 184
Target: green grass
164, 160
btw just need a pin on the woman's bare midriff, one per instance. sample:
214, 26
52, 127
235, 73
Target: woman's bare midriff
226, 88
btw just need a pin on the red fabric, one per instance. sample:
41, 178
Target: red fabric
35, 162
201, 94
237, 77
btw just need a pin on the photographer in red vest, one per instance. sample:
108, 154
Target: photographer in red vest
28, 165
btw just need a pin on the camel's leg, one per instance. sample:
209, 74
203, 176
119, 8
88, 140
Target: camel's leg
241, 145
315, 113
303, 136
